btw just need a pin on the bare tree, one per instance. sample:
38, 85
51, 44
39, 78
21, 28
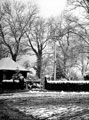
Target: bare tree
13, 24
80, 3
37, 38
69, 34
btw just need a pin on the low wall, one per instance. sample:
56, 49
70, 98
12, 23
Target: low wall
67, 85
10, 85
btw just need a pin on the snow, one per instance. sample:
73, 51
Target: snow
58, 81
49, 112
49, 105
43, 112
34, 94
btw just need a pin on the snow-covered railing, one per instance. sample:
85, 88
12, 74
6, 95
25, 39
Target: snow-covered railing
11, 80
60, 82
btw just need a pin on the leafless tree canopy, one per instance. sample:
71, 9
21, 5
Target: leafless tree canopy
23, 31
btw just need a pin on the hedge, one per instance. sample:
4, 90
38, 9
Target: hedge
67, 85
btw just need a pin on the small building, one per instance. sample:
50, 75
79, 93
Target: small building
8, 67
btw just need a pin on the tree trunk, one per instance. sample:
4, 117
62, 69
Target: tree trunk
14, 56
39, 65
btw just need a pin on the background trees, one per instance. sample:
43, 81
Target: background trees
83, 32
65, 33
13, 24
23, 31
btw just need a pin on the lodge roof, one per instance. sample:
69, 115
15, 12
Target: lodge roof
8, 64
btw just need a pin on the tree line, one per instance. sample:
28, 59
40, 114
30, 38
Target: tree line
23, 30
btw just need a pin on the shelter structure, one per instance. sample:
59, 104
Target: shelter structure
8, 67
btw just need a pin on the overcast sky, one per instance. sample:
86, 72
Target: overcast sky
51, 7
48, 8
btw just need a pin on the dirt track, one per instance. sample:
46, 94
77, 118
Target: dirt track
35, 105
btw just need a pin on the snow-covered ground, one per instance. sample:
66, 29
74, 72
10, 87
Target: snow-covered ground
40, 93
50, 105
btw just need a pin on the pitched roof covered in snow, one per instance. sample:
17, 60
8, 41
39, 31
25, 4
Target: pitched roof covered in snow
9, 64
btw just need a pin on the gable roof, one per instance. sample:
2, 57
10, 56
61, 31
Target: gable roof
9, 64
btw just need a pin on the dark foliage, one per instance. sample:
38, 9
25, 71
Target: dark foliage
86, 77
67, 86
